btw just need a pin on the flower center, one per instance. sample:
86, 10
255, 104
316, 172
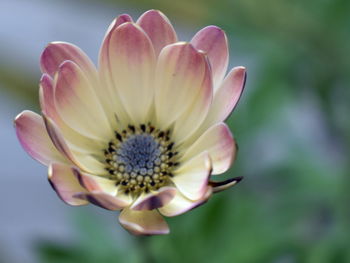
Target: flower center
140, 159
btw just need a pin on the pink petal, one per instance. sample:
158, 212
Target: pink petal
227, 96
124, 18
220, 145
65, 184
74, 138
158, 28
154, 200
76, 102
104, 200
180, 204
57, 52
192, 177
32, 134
191, 119
111, 99
128, 62
148, 222
212, 40
182, 74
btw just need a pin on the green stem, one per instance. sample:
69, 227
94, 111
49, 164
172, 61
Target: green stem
143, 244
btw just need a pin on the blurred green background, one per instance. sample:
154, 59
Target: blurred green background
292, 125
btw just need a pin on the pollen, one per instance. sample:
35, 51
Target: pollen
140, 159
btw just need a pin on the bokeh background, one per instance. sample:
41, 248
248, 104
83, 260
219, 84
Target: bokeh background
292, 125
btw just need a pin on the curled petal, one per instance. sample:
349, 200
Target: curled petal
213, 41
105, 201
65, 184
148, 222
158, 28
95, 183
219, 143
154, 200
58, 139
223, 185
192, 177
57, 52
180, 204
32, 134
83, 161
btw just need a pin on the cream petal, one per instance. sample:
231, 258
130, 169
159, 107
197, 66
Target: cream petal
109, 96
148, 222
96, 183
131, 68
65, 184
84, 161
223, 185
213, 41
192, 177
76, 102
57, 52
180, 74
220, 145
192, 118
226, 97
76, 141
180, 204
32, 135
154, 200
158, 28
104, 200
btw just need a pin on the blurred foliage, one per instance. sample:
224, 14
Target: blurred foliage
293, 127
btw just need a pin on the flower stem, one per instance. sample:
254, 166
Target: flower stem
143, 244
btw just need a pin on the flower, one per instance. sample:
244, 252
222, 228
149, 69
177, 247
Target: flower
144, 132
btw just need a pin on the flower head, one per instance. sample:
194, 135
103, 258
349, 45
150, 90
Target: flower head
143, 132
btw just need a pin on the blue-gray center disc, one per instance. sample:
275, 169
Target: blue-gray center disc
139, 154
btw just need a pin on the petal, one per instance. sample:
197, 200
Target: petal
96, 183
181, 76
154, 200
223, 185
121, 19
85, 162
220, 145
180, 204
143, 222
226, 97
110, 98
65, 184
191, 119
32, 135
158, 28
213, 41
77, 104
131, 63
57, 52
192, 177
104, 200
76, 140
